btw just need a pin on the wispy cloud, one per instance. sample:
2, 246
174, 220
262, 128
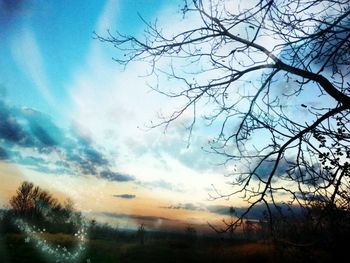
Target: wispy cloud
107, 19
162, 184
114, 107
175, 145
26, 52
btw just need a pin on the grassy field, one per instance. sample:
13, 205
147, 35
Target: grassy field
14, 248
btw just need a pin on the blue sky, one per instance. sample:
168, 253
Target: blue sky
54, 37
74, 122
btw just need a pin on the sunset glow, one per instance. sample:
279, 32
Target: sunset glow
77, 124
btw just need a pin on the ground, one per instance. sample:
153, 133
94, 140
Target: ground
15, 248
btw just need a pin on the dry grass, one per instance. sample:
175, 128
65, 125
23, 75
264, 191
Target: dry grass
154, 251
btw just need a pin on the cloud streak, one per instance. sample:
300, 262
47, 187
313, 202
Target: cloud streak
107, 17
31, 138
115, 176
125, 196
26, 52
147, 220
257, 212
186, 206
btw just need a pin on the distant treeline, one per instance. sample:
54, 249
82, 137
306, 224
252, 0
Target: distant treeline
319, 225
38, 207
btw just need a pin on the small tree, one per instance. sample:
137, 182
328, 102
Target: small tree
32, 202
22, 202
141, 232
191, 233
249, 229
232, 213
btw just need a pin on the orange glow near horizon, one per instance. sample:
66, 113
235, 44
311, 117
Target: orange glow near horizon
95, 197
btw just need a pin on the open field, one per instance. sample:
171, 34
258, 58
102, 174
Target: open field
14, 248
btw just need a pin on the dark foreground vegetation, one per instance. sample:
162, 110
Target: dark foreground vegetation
62, 234
14, 249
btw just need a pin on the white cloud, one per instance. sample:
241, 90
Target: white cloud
109, 103
26, 52
113, 106
107, 19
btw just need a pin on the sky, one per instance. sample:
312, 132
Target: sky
75, 122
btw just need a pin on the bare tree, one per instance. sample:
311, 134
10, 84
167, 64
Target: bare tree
274, 75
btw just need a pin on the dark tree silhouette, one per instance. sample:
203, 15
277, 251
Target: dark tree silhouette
39, 208
32, 202
191, 233
141, 232
273, 75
